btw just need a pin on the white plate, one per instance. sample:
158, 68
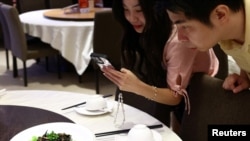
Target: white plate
83, 111
77, 132
123, 137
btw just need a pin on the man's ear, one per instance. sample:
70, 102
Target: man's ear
220, 14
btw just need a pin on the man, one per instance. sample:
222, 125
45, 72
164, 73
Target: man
207, 22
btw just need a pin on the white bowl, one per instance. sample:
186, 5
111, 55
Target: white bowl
140, 132
95, 103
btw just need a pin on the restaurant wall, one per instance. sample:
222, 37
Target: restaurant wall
7, 2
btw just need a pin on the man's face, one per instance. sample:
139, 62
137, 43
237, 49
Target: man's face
200, 35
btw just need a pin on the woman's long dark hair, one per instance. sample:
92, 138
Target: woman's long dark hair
148, 45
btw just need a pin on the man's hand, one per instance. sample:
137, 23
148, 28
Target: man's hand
236, 83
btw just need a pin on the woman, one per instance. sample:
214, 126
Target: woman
148, 59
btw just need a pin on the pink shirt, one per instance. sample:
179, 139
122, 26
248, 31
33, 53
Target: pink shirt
181, 62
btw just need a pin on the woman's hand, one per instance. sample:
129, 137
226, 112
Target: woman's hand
128, 81
124, 79
236, 83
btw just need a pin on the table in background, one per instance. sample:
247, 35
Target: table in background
59, 14
56, 100
72, 38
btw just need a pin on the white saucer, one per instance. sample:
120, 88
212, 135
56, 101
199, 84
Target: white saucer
83, 111
124, 137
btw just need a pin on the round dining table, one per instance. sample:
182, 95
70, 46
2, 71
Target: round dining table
14, 119
61, 14
71, 37
15, 103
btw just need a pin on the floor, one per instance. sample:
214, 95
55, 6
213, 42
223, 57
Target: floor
39, 78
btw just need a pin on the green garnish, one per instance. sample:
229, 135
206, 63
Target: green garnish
34, 138
52, 136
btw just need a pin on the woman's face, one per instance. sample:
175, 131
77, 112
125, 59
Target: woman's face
133, 13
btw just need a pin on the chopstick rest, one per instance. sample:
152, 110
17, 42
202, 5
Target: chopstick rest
104, 96
125, 131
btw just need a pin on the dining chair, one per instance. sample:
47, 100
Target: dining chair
22, 49
106, 40
6, 39
30, 5
212, 105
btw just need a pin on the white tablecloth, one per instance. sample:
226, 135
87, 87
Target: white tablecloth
56, 100
72, 38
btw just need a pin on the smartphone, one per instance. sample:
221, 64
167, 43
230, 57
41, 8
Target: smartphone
101, 60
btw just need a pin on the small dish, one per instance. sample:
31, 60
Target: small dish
84, 111
123, 137
140, 132
96, 102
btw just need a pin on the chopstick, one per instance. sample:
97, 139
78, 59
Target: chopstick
104, 96
125, 131
70, 6
74, 105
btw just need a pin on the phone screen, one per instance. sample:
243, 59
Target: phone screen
101, 60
